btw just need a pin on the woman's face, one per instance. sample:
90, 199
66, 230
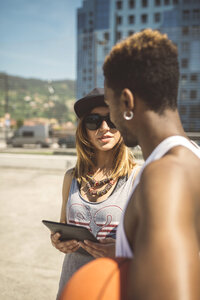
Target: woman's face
103, 138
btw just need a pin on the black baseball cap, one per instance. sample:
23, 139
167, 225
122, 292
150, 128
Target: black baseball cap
86, 104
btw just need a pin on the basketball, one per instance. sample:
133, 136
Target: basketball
102, 279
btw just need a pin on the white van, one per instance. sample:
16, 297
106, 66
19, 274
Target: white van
40, 135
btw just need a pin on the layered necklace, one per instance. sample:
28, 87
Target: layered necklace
92, 185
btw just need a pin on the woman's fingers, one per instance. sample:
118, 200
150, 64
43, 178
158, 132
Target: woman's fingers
95, 252
106, 248
107, 241
64, 246
68, 249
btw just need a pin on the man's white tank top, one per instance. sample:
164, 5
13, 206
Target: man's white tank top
123, 248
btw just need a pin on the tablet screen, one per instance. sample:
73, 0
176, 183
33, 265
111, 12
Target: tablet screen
70, 232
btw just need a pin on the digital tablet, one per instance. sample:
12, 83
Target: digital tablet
70, 232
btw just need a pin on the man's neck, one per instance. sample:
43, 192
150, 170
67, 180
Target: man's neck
154, 128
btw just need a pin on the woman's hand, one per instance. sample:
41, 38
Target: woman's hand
105, 247
65, 247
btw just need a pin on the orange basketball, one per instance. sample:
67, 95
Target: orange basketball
102, 279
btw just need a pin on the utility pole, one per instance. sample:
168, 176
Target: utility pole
7, 119
6, 93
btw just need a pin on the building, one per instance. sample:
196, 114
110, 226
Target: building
102, 23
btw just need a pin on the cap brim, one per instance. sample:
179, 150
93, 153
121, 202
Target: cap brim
85, 105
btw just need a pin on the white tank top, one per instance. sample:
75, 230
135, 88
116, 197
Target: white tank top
123, 248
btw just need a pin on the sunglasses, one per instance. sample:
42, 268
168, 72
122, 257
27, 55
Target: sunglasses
94, 121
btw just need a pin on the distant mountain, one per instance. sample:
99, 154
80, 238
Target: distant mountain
31, 98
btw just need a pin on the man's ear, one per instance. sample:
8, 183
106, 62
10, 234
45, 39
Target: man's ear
127, 99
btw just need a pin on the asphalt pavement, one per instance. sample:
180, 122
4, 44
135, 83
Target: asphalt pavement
30, 191
30, 266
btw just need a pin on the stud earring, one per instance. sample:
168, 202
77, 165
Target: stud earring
128, 115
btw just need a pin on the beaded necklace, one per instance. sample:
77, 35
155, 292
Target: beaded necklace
92, 184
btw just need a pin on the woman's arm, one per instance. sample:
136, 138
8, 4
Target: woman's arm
68, 246
65, 194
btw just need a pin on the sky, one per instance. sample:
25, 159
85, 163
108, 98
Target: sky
38, 38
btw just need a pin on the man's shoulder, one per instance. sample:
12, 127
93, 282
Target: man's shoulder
164, 168
162, 181
179, 162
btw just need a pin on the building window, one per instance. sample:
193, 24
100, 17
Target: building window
118, 35
196, 31
144, 18
185, 30
106, 50
106, 36
184, 63
185, 47
183, 94
157, 2
193, 94
185, 15
157, 17
194, 77
183, 79
175, 2
118, 20
196, 14
182, 110
167, 2
131, 3
130, 32
195, 111
131, 19
119, 4
144, 3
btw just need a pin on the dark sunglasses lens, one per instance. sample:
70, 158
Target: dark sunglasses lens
92, 122
110, 124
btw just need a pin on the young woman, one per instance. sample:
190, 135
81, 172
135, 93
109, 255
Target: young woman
94, 191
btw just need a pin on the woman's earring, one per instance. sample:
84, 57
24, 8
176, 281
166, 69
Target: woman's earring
128, 115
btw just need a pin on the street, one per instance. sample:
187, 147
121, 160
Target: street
30, 191
30, 266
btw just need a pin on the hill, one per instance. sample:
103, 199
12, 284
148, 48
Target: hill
32, 98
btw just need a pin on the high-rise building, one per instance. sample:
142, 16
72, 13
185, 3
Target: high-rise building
102, 23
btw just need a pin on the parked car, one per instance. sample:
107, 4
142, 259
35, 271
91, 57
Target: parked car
40, 135
67, 142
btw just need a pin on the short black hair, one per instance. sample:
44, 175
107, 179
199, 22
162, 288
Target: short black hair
147, 64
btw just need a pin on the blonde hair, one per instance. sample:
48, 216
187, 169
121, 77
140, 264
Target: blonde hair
123, 159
